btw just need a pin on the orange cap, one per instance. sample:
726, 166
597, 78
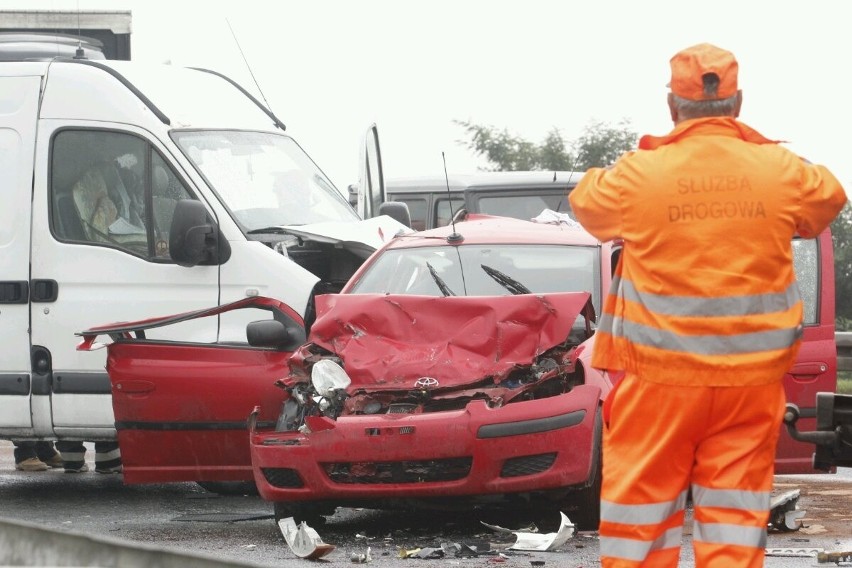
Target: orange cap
690, 65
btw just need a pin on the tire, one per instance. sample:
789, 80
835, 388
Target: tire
584, 504
229, 487
312, 513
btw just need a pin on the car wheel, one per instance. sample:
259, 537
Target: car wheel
311, 513
583, 506
229, 487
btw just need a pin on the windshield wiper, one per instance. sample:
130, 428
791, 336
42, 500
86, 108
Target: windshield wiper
267, 231
445, 290
506, 281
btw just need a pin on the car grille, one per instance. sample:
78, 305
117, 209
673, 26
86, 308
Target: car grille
282, 477
527, 465
402, 408
407, 471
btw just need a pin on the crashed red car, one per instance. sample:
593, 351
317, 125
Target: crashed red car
456, 371
448, 372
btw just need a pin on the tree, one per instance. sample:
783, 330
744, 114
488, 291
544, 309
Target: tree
841, 231
599, 145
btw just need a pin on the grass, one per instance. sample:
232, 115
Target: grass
844, 382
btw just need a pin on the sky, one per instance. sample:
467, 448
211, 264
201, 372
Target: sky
331, 68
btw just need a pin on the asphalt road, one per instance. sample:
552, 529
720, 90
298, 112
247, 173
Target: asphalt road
185, 517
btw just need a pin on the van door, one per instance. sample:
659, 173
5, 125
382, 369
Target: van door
815, 369
103, 199
19, 103
371, 184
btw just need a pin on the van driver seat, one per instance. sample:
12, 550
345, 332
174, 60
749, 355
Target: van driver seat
97, 211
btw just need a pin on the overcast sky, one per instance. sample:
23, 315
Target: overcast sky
331, 68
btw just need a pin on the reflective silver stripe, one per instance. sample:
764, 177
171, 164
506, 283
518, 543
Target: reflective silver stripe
638, 550
645, 514
708, 344
722, 533
719, 306
731, 498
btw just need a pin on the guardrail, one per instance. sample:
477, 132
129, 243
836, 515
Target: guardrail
26, 544
843, 340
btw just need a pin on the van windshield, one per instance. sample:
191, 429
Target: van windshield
265, 180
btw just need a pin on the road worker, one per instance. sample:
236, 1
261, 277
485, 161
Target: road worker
704, 317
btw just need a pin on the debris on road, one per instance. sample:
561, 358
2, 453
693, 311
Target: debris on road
304, 541
807, 552
539, 542
784, 516
836, 557
361, 558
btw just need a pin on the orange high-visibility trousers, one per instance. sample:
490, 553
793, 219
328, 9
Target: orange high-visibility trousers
662, 440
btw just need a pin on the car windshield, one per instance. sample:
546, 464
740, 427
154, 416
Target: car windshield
264, 179
483, 270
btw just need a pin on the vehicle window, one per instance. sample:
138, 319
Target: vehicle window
806, 264
417, 209
539, 268
266, 180
103, 185
445, 208
525, 207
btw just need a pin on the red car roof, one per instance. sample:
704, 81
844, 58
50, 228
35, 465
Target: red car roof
485, 229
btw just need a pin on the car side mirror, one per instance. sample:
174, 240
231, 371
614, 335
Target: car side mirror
353, 194
273, 333
396, 210
194, 238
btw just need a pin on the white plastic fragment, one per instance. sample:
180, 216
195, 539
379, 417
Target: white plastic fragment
536, 542
304, 541
794, 552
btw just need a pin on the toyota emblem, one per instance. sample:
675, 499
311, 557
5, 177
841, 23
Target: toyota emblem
426, 383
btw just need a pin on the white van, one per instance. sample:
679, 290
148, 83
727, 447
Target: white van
130, 191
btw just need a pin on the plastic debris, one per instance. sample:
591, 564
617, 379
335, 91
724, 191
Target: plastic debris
361, 558
304, 541
835, 557
795, 552
539, 542
403, 553
784, 514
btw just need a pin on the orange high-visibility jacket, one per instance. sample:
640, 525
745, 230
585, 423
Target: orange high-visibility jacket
705, 292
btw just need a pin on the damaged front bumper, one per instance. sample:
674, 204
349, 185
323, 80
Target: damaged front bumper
521, 447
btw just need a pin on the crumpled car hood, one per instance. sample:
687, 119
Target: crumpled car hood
390, 341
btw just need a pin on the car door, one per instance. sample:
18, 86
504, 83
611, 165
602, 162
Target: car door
815, 368
371, 183
19, 100
181, 407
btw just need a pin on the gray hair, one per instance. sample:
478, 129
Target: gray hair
688, 109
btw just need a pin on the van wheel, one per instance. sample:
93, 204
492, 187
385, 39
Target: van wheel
314, 514
229, 487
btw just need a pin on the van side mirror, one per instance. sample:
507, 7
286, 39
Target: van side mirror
194, 238
396, 210
353, 194
273, 333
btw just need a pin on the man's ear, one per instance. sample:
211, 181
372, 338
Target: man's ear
672, 107
739, 103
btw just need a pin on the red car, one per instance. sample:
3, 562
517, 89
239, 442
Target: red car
452, 370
